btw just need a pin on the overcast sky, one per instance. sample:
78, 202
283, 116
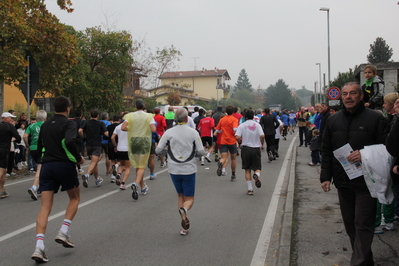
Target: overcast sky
270, 39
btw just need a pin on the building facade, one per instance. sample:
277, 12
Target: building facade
193, 85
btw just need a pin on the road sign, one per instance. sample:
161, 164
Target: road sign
333, 93
333, 102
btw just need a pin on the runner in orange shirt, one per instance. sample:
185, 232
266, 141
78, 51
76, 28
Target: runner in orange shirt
227, 125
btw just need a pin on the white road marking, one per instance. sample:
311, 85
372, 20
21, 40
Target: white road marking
262, 246
54, 216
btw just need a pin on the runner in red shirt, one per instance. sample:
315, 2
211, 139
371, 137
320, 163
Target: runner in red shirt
160, 122
205, 127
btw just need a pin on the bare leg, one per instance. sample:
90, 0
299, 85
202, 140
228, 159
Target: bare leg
45, 210
2, 178
140, 176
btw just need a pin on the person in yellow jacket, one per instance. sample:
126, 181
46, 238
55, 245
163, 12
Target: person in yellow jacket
139, 126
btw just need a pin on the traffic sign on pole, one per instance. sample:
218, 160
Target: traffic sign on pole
333, 93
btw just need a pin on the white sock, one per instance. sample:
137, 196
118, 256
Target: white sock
258, 174
208, 154
40, 241
249, 185
34, 187
65, 226
202, 158
223, 170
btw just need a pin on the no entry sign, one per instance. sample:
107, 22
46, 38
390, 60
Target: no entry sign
333, 93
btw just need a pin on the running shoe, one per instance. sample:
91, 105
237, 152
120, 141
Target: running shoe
224, 173
202, 162
33, 193
135, 195
144, 190
258, 184
118, 179
233, 177
379, 230
64, 239
115, 169
270, 156
122, 187
162, 164
113, 179
39, 256
85, 180
185, 223
183, 232
153, 176
99, 180
207, 159
3, 194
219, 170
81, 171
250, 192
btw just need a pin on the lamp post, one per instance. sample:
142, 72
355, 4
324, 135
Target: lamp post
319, 82
328, 35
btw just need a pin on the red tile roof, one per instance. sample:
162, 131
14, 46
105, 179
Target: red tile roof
196, 73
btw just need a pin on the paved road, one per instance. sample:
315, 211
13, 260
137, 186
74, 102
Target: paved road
227, 226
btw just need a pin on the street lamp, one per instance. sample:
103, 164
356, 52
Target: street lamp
328, 34
319, 81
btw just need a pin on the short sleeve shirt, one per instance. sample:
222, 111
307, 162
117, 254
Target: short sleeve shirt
227, 125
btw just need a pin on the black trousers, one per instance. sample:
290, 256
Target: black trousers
303, 131
269, 139
358, 211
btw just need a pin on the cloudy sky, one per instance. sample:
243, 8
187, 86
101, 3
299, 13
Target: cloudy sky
270, 39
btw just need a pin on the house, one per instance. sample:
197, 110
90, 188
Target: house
193, 85
388, 71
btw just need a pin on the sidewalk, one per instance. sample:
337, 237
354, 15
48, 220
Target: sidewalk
318, 235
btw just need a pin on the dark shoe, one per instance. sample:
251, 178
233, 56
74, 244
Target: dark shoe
270, 156
233, 177
258, 184
118, 179
135, 194
219, 170
185, 223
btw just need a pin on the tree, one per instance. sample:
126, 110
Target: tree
173, 99
380, 52
343, 78
28, 26
304, 95
279, 94
165, 61
243, 81
98, 80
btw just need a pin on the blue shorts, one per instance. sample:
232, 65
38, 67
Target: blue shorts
184, 184
56, 174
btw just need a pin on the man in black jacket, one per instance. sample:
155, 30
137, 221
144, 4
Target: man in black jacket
57, 141
269, 124
7, 132
359, 127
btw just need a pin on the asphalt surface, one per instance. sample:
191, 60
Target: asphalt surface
228, 227
289, 221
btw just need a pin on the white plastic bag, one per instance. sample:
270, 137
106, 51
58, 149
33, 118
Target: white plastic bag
377, 164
